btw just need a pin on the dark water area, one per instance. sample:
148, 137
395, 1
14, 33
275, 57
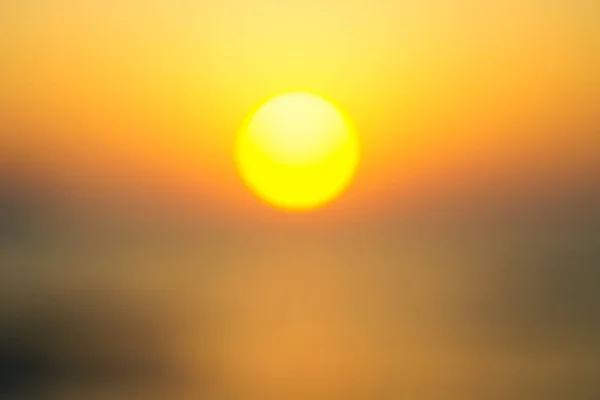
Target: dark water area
430, 307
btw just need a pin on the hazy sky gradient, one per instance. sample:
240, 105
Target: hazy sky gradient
508, 87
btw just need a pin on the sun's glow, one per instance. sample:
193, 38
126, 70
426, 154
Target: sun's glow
297, 151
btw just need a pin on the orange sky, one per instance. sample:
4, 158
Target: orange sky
96, 87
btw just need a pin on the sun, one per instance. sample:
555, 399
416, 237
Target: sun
297, 151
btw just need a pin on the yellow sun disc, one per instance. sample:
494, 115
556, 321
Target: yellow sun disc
297, 151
